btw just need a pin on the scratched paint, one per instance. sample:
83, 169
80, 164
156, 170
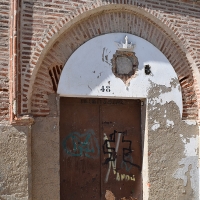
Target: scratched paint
109, 195
85, 144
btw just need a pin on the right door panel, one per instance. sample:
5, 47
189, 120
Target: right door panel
122, 153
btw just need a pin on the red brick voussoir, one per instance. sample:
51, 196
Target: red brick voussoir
167, 25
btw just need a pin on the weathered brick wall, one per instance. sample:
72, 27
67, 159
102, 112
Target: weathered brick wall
41, 21
91, 27
4, 58
182, 18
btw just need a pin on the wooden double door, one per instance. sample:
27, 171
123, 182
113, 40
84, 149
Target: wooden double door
100, 149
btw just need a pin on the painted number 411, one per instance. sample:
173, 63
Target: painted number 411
105, 89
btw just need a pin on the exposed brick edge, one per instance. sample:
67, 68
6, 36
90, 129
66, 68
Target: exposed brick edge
56, 31
25, 120
13, 61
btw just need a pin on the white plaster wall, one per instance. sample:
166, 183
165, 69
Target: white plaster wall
89, 68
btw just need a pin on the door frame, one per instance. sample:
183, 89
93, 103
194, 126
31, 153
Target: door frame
144, 140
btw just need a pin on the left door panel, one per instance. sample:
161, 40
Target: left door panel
79, 150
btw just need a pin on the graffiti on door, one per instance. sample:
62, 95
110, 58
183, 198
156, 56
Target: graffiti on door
86, 144
127, 161
127, 165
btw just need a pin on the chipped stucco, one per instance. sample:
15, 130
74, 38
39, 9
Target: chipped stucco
173, 160
189, 163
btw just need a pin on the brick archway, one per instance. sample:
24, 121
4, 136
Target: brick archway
109, 19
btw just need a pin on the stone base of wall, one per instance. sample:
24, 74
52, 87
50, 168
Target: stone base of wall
15, 162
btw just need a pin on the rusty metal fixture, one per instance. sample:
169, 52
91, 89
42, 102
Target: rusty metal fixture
125, 65
147, 69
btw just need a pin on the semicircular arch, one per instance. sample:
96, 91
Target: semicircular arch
102, 20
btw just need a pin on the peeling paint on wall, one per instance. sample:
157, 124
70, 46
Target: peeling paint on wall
189, 164
170, 123
163, 94
155, 126
191, 145
190, 122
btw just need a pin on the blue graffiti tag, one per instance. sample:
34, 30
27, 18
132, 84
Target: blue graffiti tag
82, 148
